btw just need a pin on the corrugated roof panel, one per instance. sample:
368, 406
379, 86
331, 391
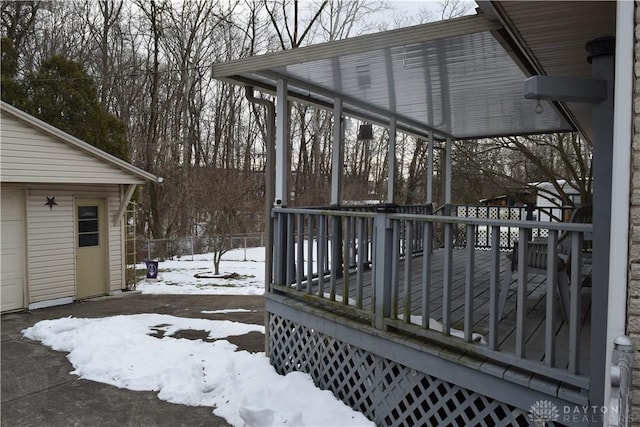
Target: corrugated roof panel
463, 84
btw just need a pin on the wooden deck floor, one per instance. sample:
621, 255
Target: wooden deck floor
535, 324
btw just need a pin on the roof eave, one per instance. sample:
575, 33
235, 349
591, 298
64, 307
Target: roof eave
355, 45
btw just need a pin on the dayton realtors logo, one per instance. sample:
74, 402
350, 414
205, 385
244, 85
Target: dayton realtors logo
543, 411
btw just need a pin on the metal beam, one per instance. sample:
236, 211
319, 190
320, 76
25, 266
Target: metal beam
565, 89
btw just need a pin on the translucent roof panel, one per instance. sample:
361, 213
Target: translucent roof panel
464, 85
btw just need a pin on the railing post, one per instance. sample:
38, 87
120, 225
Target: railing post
382, 262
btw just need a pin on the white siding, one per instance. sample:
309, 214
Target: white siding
51, 239
30, 155
51, 251
12, 250
116, 247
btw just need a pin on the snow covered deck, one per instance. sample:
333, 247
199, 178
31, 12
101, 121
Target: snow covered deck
507, 326
413, 284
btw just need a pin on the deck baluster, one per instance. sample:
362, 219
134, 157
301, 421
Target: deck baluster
448, 274
336, 258
300, 251
550, 322
395, 274
361, 253
469, 282
346, 251
310, 240
427, 256
494, 284
575, 323
322, 252
408, 270
521, 298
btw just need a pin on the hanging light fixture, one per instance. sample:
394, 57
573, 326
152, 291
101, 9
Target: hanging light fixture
365, 131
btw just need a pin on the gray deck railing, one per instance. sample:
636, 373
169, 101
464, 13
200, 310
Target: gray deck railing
367, 262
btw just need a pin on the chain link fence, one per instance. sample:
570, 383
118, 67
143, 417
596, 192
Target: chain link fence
187, 247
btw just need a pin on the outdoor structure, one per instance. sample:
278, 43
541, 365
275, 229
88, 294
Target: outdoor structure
63, 204
548, 197
395, 309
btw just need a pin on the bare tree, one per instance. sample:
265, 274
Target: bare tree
291, 25
228, 201
19, 20
564, 160
454, 8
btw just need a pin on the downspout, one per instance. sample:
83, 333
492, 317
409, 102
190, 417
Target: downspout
269, 195
621, 177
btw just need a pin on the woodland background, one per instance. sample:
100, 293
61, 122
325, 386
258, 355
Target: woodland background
134, 78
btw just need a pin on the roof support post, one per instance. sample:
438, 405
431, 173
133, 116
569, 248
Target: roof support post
602, 60
337, 154
280, 256
391, 176
282, 143
430, 169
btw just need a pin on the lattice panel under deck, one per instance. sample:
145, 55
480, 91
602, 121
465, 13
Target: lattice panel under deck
386, 392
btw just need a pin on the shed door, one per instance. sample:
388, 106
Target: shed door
91, 248
12, 250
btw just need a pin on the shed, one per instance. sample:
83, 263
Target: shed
62, 214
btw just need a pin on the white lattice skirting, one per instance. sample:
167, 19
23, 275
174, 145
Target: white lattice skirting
386, 392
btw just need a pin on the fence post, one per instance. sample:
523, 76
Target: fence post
382, 264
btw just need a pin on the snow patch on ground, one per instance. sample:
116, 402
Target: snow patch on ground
139, 352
